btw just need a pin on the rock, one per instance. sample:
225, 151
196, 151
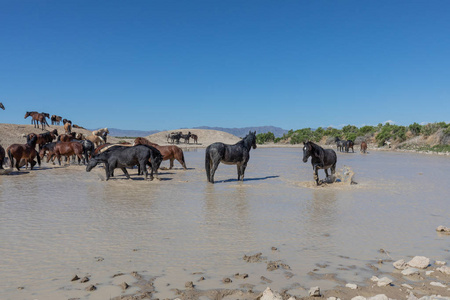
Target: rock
400, 264
201, 279
419, 262
268, 294
314, 291
407, 286
21, 288
385, 281
439, 262
443, 229
253, 258
272, 265
189, 285
240, 276
433, 283
84, 279
124, 285
444, 269
359, 298
379, 297
274, 248
263, 278
351, 286
410, 271
333, 298
74, 278
227, 280
91, 288
428, 273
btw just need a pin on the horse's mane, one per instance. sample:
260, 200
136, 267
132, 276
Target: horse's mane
318, 151
247, 140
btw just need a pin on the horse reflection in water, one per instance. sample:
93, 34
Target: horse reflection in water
320, 159
237, 154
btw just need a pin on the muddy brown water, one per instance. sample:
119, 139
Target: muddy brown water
60, 221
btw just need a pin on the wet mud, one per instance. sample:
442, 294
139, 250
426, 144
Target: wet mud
151, 238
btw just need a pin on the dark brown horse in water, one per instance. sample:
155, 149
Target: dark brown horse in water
27, 152
171, 152
37, 118
363, 148
68, 149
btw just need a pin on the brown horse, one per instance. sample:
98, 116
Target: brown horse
36, 118
195, 138
27, 152
171, 152
68, 127
67, 137
46, 137
68, 149
363, 148
2, 156
50, 147
55, 119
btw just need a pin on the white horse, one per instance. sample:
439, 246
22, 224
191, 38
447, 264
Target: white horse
99, 132
97, 140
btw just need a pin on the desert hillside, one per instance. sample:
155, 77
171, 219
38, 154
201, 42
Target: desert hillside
14, 133
205, 137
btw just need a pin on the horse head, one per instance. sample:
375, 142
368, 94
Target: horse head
27, 114
55, 132
92, 163
32, 139
250, 140
307, 148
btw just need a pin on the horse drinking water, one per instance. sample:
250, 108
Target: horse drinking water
320, 159
237, 154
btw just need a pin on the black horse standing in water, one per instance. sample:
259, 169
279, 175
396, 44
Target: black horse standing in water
237, 154
320, 159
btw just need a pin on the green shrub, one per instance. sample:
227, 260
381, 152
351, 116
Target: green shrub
262, 138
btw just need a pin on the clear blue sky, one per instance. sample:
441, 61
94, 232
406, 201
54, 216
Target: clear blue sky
175, 64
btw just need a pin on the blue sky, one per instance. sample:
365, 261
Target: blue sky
176, 64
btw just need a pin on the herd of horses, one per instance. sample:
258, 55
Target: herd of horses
175, 137
94, 149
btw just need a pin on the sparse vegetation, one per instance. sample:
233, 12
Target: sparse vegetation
379, 134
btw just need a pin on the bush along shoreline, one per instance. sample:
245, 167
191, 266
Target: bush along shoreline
431, 137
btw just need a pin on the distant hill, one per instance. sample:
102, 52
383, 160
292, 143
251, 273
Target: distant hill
241, 132
130, 133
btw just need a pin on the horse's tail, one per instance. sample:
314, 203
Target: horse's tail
11, 158
182, 160
208, 164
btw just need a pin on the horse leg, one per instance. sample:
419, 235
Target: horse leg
32, 163
124, 170
215, 165
316, 175
242, 168
171, 163
143, 166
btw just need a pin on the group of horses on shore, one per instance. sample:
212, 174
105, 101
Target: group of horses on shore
144, 153
175, 137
